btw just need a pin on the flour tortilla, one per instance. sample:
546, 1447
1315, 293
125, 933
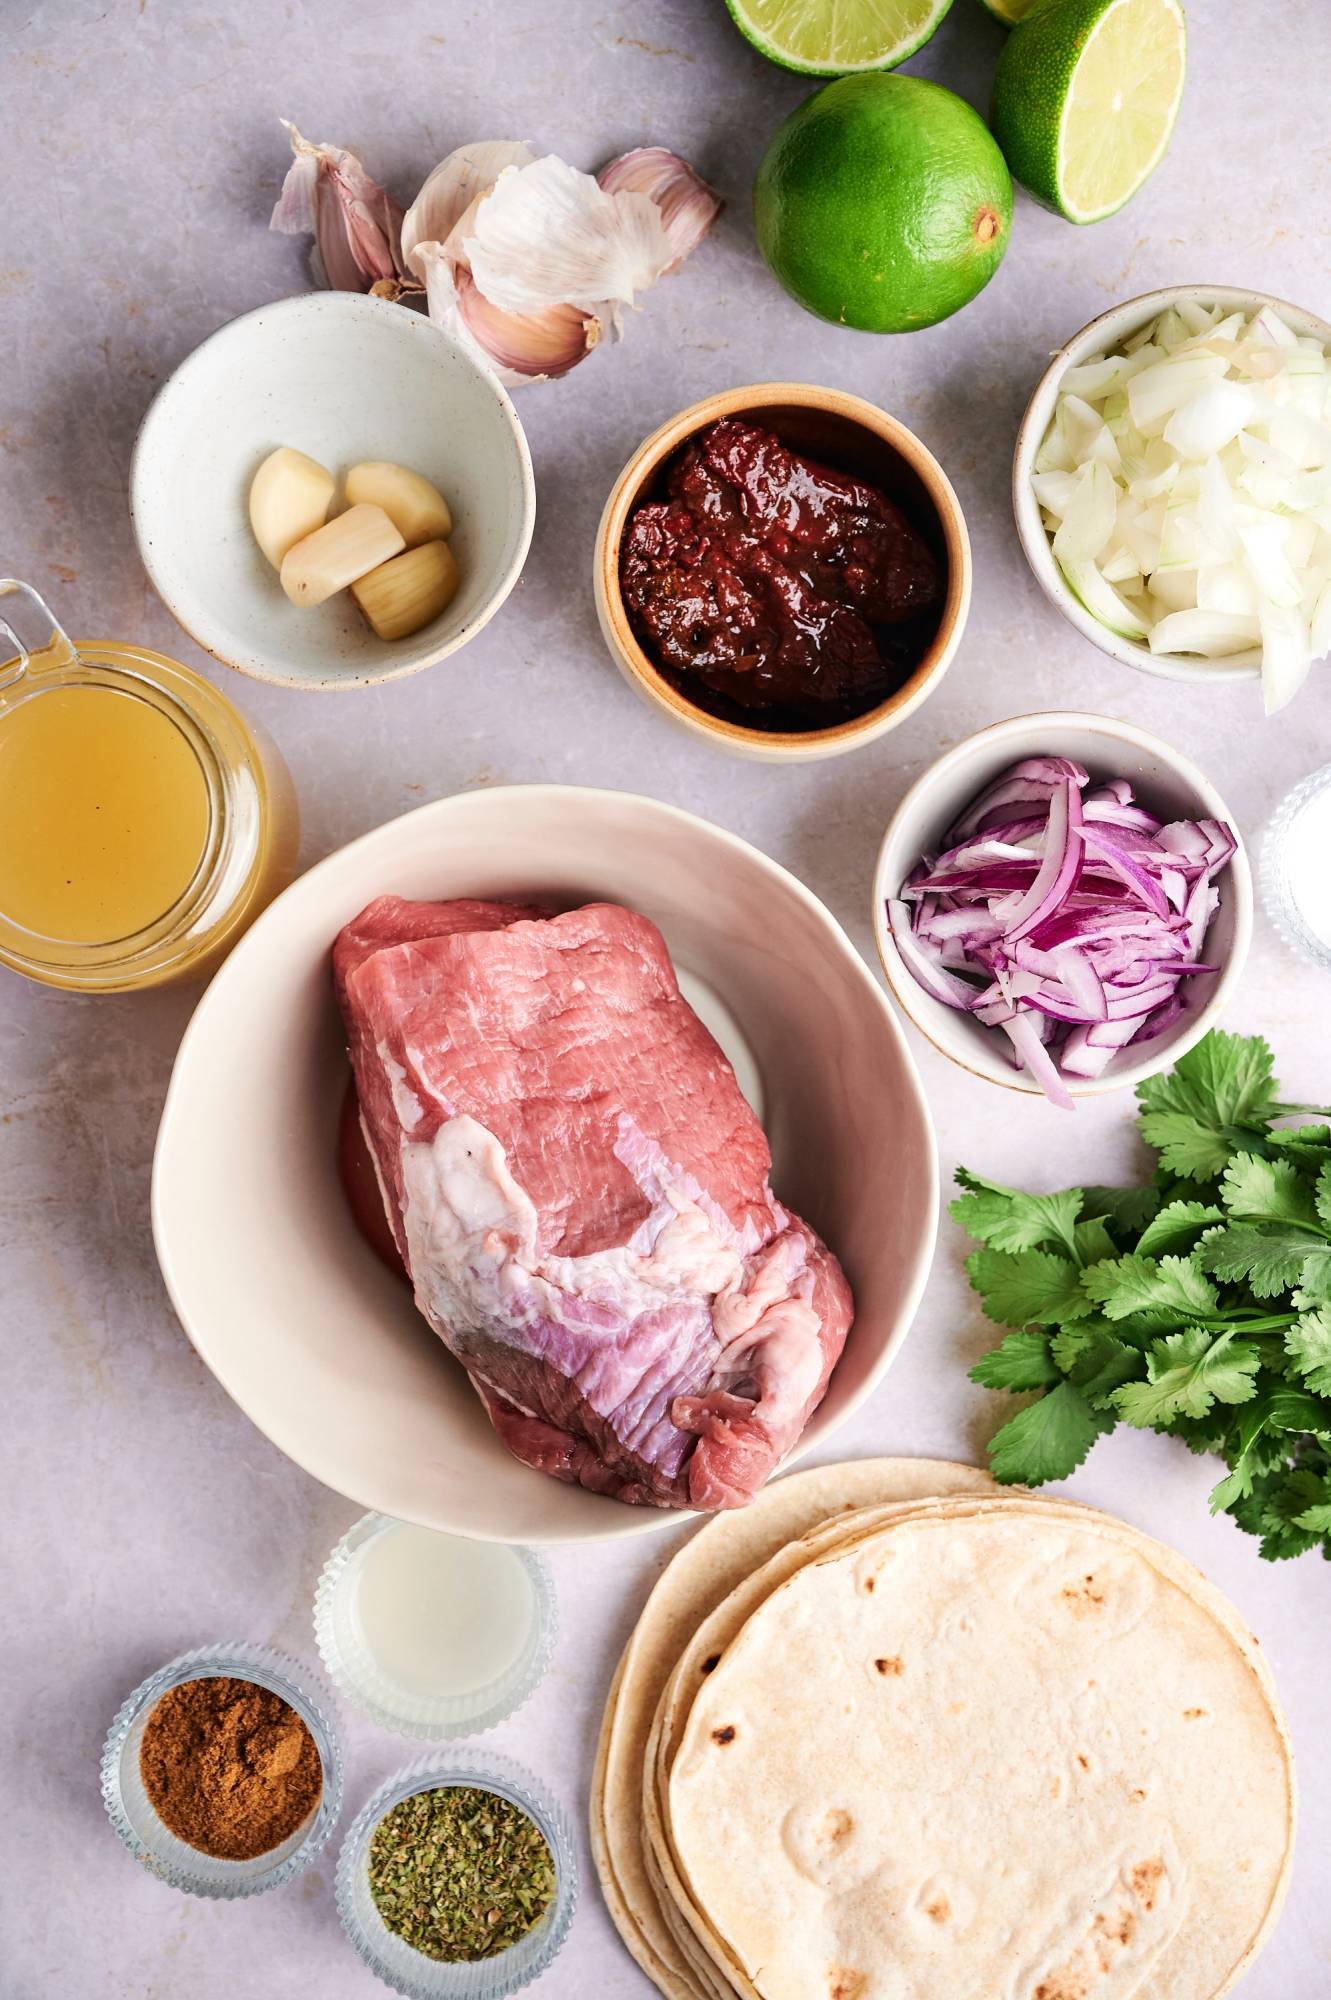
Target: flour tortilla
872, 1832
714, 1635
705, 1571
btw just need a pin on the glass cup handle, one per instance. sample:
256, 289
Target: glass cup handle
54, 643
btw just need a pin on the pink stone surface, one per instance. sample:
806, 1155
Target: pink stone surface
145, 1514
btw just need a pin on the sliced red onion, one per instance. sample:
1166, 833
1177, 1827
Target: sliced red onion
1064, 914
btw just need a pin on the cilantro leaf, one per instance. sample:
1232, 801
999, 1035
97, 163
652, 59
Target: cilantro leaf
1282, 1504
1271, 1260
1021, 1361
1186, 1373
1308, 1139
1316, 1518
1308, 1345
1007, 1219
1314, 1280
1091, 1241
1168, 1291
1047, 1440
1258, 1443
1216, 1095
1127, 1210
1323, 1195
1068, 1343
1018, 1287
1259, 1190
1105, 1364
1177, 1227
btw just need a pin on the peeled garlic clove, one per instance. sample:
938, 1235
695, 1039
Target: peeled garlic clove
338, 553
688, 206
290, 496
455, 186
547, 235
417, 510
356, 224
401, 596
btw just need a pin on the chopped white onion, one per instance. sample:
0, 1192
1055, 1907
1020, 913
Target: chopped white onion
1185, 482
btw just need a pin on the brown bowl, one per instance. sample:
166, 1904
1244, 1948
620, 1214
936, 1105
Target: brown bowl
853, 436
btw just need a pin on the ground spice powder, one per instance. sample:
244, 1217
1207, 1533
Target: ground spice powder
229, 1767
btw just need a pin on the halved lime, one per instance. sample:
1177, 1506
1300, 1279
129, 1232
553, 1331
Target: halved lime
837, 37
1009, 12
1085, 97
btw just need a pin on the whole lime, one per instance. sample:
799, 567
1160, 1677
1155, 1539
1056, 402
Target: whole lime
883, 202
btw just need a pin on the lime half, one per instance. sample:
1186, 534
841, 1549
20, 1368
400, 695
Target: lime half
1085, 97
1009, 12
837, 37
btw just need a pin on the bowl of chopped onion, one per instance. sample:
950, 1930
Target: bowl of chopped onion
1172, 486
1062, 904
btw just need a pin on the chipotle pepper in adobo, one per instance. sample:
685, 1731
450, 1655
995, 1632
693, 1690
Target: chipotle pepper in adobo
771, 583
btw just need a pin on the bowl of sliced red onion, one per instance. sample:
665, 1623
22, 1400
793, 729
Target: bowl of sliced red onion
1062, 904
1172, 486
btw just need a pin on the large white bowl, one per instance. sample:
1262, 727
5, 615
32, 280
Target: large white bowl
341, 378
1101, 336
319, 1345
1165, 781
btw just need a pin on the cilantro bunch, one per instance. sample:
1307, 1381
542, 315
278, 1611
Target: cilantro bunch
1198, 1306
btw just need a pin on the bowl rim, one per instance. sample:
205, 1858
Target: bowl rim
1106, 330
641, 671
639, 1520
909, 995
309, 304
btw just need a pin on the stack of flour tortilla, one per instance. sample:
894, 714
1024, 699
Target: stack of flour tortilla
891, 1733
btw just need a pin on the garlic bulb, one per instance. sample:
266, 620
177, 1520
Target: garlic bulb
356, 224
523, 259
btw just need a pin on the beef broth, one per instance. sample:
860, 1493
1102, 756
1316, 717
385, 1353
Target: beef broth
770, 583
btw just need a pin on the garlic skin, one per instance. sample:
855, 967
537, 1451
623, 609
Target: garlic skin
548, 235
688, 206
356, 224
455, 186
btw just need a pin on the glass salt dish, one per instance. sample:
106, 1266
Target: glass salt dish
1296, 855
151, 1842
399, 1964
365, 1677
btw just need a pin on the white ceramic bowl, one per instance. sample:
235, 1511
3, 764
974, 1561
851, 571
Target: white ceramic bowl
1100, 337
318, 1343
341, 378
1165, 781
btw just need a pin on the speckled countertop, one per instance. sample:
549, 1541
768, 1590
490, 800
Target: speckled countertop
143, 155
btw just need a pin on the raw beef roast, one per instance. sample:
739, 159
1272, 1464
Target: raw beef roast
579, 1192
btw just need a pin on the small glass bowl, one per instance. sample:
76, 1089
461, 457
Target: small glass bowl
358, 1676
1274, 872
397, 1963
153, 1843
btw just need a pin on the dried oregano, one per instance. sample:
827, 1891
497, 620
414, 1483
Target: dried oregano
460, 1873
